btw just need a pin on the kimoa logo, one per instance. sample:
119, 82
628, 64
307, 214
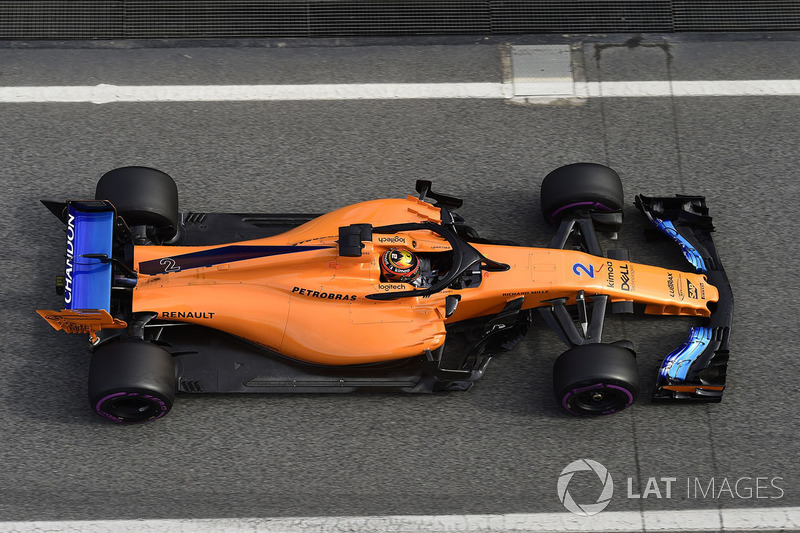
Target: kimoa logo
588, 509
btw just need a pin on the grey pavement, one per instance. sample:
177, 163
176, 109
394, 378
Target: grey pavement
498, 448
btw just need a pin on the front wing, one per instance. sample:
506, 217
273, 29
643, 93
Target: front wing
696, 370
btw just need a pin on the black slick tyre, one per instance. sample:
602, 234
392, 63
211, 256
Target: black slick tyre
587, 186
143, 196
596, 379
131, 381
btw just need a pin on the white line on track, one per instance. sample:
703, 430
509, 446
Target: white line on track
626, 89
103, 94
763, 519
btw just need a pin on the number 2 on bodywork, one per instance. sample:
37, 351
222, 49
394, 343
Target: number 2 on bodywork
577, 268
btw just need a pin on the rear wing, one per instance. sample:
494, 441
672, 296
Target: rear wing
88, 268
90, 230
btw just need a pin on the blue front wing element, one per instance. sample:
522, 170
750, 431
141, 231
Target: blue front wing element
689, 251
676, 365
88, 281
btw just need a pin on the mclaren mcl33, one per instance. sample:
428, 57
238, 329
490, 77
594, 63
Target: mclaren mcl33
393, 294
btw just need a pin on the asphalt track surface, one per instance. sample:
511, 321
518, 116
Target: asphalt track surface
498, 448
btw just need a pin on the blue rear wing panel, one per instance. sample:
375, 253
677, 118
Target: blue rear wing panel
90, 231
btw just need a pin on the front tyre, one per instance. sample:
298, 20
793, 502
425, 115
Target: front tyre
131, 381
596, 379
580, 186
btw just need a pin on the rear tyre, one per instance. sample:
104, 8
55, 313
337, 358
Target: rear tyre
586, 186
596, 379
143, 196
131, 381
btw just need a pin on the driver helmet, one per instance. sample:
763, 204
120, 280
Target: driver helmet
399, 265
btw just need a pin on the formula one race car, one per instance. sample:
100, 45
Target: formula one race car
394, 294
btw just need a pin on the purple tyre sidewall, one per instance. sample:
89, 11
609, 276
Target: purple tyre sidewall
101, 406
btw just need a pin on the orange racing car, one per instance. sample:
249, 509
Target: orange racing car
392, 294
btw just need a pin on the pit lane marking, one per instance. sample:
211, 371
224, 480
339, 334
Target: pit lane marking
102, 94
752, 519
580, 90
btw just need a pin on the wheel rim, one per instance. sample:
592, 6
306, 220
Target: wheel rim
131, 407
598, 399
